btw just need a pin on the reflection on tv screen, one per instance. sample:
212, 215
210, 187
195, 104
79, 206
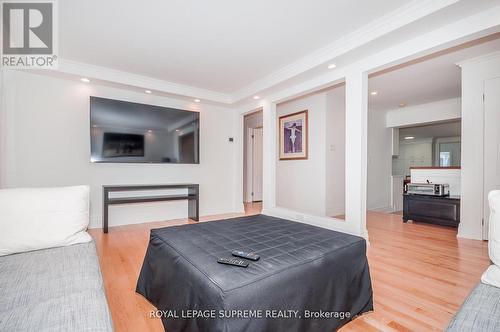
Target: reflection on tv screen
125, 132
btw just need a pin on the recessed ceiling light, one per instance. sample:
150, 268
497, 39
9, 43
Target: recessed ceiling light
150, 131
177, 130
148, 92
332, 65
256, 97
84, 80
402, 105
409, 137
197, 100
374, 93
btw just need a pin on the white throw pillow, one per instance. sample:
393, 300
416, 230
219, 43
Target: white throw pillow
40, 218
492, 275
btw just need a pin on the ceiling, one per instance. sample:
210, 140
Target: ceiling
218, 45
427, 80
445, 129
227, 51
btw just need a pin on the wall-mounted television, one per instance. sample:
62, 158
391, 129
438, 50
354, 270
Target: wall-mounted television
125, 132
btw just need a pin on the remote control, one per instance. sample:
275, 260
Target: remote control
233, 261
245, 254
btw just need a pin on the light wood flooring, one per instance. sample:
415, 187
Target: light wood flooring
420, 273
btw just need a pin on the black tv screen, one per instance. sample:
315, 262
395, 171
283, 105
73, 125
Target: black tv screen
125, 132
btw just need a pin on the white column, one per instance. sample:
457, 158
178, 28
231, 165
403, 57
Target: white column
238, 178
269, 155
356, 150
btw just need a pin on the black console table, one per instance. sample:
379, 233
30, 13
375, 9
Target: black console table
193, 197
432, 209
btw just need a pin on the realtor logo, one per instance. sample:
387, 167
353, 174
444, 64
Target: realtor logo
28, 31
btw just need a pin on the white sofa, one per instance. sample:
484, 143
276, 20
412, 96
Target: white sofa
50, 278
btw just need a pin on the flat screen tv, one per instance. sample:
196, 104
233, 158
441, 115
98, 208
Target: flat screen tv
125, 132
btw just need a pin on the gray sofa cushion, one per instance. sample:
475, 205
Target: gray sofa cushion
58, 289
479, 312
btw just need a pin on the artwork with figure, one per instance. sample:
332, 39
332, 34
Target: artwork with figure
293, 136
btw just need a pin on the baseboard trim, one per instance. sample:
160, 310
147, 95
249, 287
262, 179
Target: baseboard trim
96, 220
469, 236
324, 222
386, 209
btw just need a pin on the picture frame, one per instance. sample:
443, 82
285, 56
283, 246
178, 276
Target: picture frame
293, 132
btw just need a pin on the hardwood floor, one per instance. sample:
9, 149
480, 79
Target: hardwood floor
421, 273
253, 208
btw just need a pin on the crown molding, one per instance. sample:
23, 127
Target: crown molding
141, 82
447, 36
404, 15
392, 21
481, 58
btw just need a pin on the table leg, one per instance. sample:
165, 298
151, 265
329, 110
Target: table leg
105, 211
194, 204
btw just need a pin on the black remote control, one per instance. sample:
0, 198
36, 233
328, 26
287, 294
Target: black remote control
233, 261
245, 254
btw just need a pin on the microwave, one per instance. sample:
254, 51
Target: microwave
431, 189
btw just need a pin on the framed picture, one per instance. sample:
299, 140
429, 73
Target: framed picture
293, 136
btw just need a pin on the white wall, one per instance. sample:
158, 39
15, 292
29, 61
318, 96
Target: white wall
474, 73
335, 152
379, 161
253, 120
443, 175
412, 153
3, 130
48, 144
300, 184
443, 110
317, 185
355, 76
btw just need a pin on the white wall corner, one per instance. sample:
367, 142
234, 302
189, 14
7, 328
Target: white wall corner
470, 236
269, 155
474, 73
238, 146
356, 150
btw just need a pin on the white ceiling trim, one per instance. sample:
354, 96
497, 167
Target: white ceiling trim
481, 58
450, 35
385, 24
375, 29
139, 81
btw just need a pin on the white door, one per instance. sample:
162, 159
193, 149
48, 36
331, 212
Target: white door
491, 143
257, 150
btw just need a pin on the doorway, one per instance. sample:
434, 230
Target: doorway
253, 160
